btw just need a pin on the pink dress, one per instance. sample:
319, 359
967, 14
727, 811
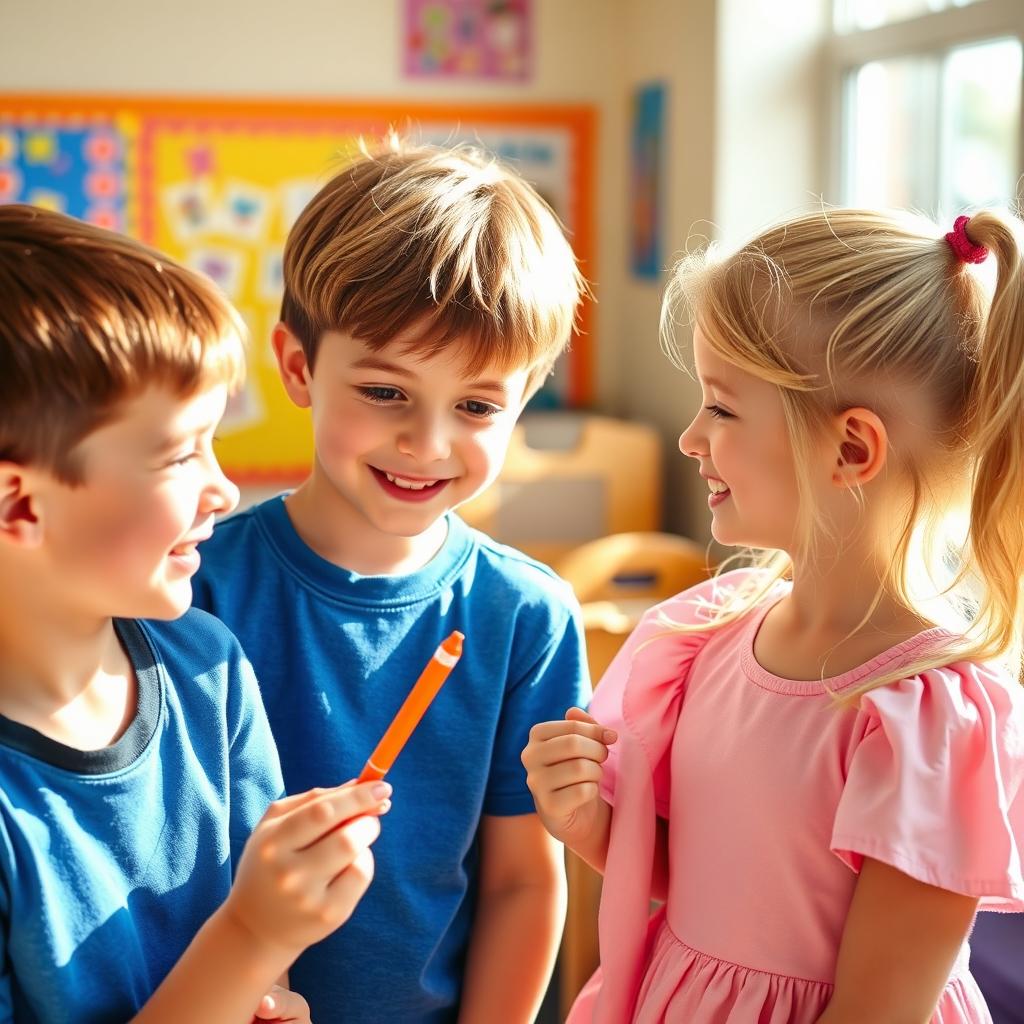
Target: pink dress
773, 797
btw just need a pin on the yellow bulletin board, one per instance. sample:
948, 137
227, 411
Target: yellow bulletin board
217, 183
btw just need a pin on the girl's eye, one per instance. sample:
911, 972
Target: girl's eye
184, 460
718, 412
381, 394
480, 409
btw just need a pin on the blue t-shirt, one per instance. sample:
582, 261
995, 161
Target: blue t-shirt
111, 860
335, 654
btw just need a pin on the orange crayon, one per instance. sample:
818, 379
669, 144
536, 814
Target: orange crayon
412, 710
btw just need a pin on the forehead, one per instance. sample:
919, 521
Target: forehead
154, 417
710, 364
403, 356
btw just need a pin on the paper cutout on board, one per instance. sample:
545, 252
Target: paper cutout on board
223, 266
243, 212
189, 209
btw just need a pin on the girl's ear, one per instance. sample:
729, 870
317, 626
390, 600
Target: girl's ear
863, 446
291, 364
20, 520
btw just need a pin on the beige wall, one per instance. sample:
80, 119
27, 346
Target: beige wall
743, 119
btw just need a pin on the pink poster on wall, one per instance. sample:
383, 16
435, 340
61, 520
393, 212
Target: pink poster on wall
468, 39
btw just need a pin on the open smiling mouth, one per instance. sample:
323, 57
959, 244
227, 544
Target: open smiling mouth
719, 492
406, 488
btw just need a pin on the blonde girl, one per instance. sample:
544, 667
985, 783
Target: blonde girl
813, 764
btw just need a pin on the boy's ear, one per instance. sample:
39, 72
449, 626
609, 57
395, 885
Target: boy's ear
862, 448
20, 520
291, 364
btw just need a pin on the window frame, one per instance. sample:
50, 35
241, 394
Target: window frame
932, 34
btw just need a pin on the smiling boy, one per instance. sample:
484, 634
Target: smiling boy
135, 754
427, 295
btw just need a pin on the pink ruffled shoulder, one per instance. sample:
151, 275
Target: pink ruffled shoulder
933, 788
654, 657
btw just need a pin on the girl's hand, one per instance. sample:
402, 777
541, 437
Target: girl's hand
563, 768
307, 864
283, 1005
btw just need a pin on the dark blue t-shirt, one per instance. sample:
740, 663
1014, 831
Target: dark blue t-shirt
111, 860
335, 654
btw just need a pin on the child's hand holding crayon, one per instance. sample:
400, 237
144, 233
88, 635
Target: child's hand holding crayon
282, 1006
306, 865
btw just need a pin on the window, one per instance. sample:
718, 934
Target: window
929, 103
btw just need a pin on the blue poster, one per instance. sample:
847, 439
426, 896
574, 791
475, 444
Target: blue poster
646, 202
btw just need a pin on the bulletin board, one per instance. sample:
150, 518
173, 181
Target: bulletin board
216, 184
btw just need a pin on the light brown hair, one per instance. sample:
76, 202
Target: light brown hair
445, 243
829, 305
89, 318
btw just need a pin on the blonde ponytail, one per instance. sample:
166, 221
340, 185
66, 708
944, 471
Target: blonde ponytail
996, 534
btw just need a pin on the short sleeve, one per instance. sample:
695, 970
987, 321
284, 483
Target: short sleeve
654, 659
555, 680
255, 771
934, 786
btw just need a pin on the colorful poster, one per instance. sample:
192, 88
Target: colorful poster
468, 39
646, 202
76, 168
218, 185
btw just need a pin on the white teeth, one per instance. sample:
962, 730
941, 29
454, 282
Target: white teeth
409, 485
717, 486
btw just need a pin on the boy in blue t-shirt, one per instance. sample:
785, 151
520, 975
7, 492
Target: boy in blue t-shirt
427, 295
135, 755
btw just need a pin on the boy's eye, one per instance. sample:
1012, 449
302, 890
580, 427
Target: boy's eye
183, 460
481, 409
718, 412
380, 393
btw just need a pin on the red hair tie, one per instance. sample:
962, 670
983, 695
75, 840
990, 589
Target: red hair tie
966, 251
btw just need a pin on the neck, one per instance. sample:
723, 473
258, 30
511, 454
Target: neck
341, 535
836, 617
63, 675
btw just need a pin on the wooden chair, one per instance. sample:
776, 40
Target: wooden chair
616, 579
569, 478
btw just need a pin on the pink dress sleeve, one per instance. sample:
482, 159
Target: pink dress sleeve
934, 786
664, 660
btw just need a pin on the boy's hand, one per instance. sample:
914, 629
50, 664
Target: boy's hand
283, 1005
307, 864
563, 768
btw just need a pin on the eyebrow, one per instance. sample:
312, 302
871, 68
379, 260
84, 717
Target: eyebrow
719, 386
170, 442
376, 363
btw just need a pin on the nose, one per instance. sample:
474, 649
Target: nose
219, 495
692, 441
426, 437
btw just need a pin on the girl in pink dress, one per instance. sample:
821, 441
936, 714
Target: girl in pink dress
814, 765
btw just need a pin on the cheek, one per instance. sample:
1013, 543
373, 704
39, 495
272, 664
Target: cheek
485, 454
341, 434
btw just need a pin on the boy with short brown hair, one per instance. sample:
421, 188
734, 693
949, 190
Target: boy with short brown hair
135, 756
427, 295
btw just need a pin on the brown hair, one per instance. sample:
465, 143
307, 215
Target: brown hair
828, 305
446, 243
89, 318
